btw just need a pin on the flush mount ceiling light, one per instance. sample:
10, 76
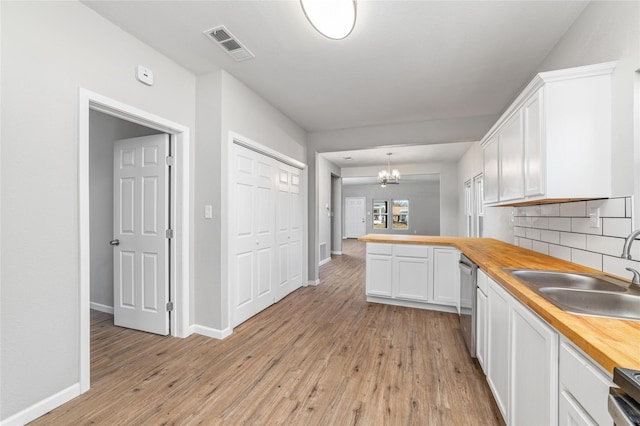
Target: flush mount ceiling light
388, 176
334, 19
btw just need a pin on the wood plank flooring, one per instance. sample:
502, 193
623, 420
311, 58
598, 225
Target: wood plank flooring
321, 356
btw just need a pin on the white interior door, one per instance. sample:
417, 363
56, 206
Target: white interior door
140, 203
253, 205
289, 214
355, 217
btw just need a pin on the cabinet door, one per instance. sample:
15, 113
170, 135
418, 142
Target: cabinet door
533, 389
490, 170
498, 345
446, 277
411, 278
571, 413
378, 275
534, 159
481, 330
511, 149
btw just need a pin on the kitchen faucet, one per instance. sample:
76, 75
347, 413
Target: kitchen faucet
626, 250
626, 254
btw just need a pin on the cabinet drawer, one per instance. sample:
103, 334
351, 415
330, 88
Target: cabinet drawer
409, 250
586, 383
379, 248
483, 284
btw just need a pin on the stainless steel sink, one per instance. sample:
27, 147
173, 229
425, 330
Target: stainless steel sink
598, 303
568, 279
583, 294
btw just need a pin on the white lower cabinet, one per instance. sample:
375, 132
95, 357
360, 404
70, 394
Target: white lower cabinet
413, 275
379, 269
535, 374
534, 369
481, 320
498, 345
446, 277
584, 389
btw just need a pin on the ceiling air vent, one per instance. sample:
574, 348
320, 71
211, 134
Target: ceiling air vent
229, 43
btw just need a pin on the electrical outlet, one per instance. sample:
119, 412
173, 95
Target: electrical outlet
594, 217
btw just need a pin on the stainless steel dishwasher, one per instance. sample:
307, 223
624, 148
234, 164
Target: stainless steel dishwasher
467, 302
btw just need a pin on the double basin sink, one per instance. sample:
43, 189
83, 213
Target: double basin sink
584, 294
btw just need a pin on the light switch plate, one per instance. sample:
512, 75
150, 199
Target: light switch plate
208, 211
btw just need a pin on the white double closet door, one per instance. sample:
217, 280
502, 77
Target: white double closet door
266, 232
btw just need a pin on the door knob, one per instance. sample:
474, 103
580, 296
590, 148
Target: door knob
114, 242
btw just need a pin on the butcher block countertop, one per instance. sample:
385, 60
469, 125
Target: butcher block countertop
610, 342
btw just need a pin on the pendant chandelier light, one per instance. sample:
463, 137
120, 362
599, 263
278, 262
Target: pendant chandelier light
333, 19
388, 176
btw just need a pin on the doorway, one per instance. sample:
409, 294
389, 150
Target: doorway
179, 213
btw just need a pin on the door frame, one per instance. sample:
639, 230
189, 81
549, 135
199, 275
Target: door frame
346, 210
229, 218
180, 202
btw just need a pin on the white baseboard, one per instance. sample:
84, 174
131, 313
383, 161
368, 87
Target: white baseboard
337, 253
43, 407
102, 308
314, 282
211, 332
324, 261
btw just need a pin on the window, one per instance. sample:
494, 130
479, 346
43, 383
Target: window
380, 213
400, 214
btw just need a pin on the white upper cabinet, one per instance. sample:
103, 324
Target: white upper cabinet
511, 150
554, 142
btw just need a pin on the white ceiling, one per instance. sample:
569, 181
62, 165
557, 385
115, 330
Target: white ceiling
405, 60
419, 154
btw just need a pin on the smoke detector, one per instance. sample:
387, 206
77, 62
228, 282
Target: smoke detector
229, 43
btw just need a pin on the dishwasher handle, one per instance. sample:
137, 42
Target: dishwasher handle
465, 268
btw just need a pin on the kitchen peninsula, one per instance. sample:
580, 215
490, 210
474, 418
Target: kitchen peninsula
608, 342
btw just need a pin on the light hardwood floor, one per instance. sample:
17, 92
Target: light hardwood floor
321, 356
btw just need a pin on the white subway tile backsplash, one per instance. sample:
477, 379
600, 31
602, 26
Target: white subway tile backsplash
583, 225
587, 258
560, 224
550, 210
612, 207
540, 247
540, 222
605, 245
616, 227
550, 236
615, 266
532, 233
564, 230
533, 210
578, 241
575, 209
525, 243
561, 252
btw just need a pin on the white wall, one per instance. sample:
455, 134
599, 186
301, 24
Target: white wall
226, 105
325, 169
448, 188
49, 50
103, 131
424, 205
336, 219
605, 31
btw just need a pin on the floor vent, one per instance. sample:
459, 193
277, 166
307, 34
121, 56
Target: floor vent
229, 43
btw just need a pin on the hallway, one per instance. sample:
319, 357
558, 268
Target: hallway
322, 355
